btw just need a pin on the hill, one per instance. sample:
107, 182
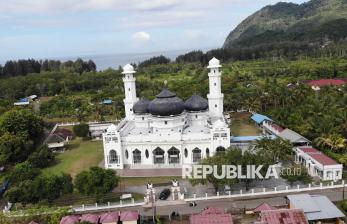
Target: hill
317, 22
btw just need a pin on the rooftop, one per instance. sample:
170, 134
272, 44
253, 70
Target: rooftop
283, 216
259, 118
211, 216
326, 82
315, 207
318, 156
264, 207
292, 136
250, 138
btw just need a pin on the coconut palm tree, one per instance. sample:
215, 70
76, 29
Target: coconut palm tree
334, 142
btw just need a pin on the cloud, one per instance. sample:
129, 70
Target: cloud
194, 34
141, 37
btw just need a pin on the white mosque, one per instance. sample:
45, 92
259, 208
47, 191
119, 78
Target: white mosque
167, 132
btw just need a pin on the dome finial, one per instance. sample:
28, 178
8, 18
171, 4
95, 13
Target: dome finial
128, 69
165, 83
214, 63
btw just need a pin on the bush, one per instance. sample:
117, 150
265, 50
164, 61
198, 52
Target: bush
81, 130
42, 157
96, 181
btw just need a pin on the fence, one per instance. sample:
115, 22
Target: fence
264, 191
108, 206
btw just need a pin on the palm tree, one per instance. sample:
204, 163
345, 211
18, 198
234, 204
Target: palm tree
334, 142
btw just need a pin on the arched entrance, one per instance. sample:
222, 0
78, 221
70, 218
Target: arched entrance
158, 156
220, 149
113, 157
174, 155
136, 156
196, 155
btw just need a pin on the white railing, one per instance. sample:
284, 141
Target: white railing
267, 191
109, 205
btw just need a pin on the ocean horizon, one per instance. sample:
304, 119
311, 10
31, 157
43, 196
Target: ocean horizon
105, 61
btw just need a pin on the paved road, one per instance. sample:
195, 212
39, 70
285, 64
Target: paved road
164, 208
237, 203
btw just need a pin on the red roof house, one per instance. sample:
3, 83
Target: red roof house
326, 82
109, 217
126, 216
70, 219
283, 216
318, 156
263, 207
91, 218
211, 216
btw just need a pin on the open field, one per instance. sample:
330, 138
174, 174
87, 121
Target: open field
79, 156
242, 125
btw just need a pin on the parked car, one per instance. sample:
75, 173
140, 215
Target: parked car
164, 194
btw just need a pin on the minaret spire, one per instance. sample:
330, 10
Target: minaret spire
215, 97
129, 90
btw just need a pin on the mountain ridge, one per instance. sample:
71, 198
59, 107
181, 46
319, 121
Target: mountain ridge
308, 21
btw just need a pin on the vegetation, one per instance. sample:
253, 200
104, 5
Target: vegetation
81, 130
96, 181
80, 155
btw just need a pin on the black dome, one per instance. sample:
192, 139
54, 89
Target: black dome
141, 106
196, 103
166, 103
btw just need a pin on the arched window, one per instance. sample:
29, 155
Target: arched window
136, 156
207, 152
113, 157
147, 153
220, 149
126, 154
173, 155
158, 156
196, 155
185, 152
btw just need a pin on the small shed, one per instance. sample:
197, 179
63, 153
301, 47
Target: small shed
22, 102
55, 142
107, 102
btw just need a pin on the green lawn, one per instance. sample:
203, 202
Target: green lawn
79, 156
242, 125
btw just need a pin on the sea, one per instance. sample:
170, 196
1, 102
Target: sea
105, 61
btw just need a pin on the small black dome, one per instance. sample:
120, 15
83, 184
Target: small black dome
141, 106
196, 103
166, 103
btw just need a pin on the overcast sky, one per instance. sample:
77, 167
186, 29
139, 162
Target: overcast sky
59, 28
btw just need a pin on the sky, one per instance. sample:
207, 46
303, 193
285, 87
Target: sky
64, 28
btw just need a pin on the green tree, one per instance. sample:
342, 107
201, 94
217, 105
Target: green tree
42, 157
81, 130
22, 123
21, 172
96, 181
14, 149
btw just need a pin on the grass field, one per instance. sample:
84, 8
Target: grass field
242, 125
79, 156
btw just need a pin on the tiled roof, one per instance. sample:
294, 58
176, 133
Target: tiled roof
264, 207
292, 136
65, 133
283, 216
55, 138
129, 216
70, 219
211, 216
109, 217
318, 156
277, 127
91, 218
326, 82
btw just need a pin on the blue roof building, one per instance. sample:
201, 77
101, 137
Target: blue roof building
107, 102
259, 118
250, 138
